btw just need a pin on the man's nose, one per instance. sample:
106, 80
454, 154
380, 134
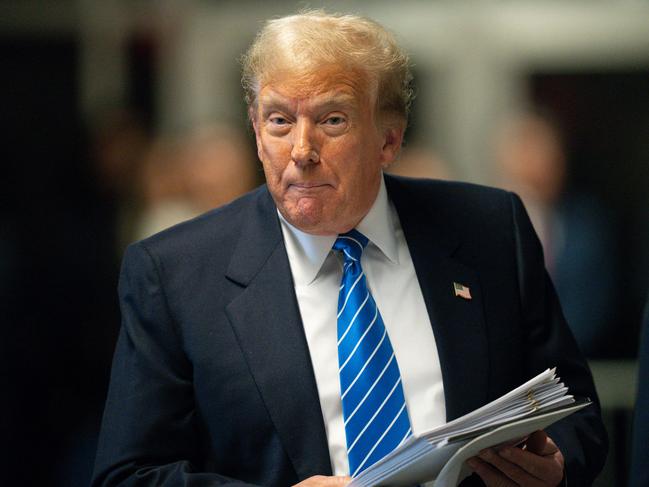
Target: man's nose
304, 151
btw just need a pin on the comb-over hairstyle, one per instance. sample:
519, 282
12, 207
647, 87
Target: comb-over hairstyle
313, 40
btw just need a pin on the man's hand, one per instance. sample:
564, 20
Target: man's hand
323, 481
539, 464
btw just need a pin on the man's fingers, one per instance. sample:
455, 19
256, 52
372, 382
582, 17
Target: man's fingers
547, 468
540, 464
325, 481
509, 469
489, 475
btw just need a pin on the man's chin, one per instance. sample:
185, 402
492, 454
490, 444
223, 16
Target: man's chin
309, 224
308, 216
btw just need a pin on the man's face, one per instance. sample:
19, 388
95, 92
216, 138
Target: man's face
321, 150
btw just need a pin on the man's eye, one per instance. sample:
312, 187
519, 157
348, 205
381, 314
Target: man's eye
278, 121
335, 120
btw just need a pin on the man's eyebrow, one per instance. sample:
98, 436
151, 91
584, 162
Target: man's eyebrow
336, 100
272, 102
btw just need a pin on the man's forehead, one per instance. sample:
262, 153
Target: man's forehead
325, 86
272, 95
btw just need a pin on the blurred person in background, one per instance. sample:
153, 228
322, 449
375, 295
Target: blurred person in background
120, 143
161, 190
417, 161
574, 227
182, 178
219, 166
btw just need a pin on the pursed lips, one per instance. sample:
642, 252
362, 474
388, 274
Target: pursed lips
308, 186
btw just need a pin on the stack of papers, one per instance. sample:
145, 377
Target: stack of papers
439, 454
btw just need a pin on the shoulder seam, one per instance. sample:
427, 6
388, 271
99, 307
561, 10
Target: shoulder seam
156, 266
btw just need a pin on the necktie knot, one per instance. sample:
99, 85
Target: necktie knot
351, 244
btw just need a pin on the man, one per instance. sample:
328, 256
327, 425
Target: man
244, 357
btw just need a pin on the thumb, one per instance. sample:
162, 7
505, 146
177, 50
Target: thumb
538, 443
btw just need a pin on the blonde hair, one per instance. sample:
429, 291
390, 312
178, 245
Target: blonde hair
311, 41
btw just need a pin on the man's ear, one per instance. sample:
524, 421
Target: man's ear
393, 131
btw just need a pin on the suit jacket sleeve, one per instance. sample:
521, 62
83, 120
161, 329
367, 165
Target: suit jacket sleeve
581, 437
149, 433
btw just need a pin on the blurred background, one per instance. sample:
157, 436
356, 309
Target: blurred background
119, 118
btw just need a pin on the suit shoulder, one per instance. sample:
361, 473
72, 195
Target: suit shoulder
455, 196
215, 229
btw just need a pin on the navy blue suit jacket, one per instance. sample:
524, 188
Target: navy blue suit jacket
212, 381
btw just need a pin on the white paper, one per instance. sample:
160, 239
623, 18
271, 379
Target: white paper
440, 453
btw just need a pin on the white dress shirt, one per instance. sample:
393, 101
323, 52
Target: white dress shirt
317, 273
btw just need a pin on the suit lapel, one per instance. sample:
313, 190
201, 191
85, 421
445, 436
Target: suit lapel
458, 324
266, 320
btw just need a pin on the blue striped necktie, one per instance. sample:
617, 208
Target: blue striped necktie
374, 407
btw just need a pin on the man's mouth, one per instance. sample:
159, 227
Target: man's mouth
306, 186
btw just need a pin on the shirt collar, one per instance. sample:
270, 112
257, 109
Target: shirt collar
379, 227
308, 252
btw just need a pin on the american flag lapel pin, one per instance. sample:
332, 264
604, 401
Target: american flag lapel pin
461, 290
